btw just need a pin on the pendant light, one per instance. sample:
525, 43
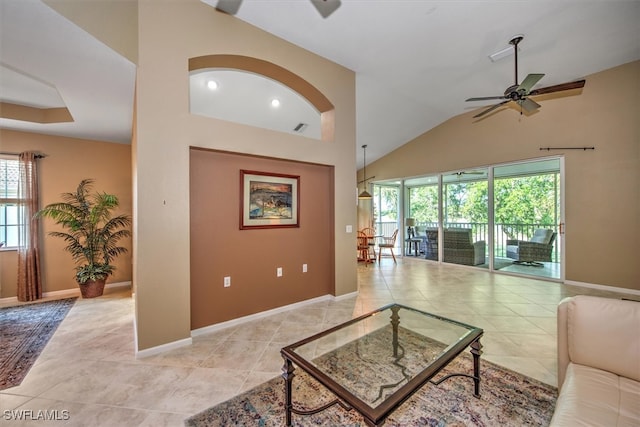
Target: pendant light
365, 194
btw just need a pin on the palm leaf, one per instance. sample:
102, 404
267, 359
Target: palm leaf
92, 232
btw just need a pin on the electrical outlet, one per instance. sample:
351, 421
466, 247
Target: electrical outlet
279, 272
304, 268
349, 229
227, 281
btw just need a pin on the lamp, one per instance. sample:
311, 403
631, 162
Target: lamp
410, 223
365, 194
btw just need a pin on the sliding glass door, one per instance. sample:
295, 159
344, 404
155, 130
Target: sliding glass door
465, 217
422, 198
505, 217
527, 206
386, 211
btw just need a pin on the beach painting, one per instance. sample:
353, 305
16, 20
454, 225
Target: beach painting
268, 200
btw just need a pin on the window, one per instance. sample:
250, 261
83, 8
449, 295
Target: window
9, 176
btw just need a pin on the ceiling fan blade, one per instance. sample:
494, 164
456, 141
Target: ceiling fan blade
326, 7
529, 82
557, 88
228, 6
485, 98
493, 107
529, 105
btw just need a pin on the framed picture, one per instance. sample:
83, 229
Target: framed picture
269, 200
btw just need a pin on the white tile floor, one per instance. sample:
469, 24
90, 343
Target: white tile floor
89, 369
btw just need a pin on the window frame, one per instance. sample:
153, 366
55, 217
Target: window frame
5, 201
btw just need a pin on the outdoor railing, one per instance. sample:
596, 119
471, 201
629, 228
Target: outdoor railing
480, 231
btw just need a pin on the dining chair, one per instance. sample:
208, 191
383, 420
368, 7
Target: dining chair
363, 247
371, 235
388, 243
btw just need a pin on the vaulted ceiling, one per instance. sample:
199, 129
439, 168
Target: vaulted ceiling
416, 61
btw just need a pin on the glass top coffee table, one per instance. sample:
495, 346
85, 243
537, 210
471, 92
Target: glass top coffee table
375, 362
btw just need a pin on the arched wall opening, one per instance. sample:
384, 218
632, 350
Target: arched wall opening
278, 74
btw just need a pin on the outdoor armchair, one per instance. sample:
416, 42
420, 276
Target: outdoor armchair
535, 251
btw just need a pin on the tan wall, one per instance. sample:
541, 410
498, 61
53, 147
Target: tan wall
68, 161
169, 34
115, 23
250, 257
602, 186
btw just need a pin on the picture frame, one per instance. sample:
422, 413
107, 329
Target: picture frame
269, 200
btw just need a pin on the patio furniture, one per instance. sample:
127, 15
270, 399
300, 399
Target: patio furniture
388, 243
431, 244
535, 251
459, 247
413, 246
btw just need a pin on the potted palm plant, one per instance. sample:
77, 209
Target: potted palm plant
91, 232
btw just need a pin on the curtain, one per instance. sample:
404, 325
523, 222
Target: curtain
29, 280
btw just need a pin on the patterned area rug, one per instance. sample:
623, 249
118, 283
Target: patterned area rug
24, 331
507, 399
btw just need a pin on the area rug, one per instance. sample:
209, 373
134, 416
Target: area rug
24, 331
507, 399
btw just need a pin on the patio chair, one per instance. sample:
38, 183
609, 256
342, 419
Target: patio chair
431, 243
459, 247
388, 243
535, 251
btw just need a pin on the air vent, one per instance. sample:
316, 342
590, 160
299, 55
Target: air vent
300, 127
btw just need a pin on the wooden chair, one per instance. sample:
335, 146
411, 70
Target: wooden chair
363, 247
388, 243
370, 232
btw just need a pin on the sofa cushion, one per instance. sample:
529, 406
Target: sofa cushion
594, 397
605, 334
542, 235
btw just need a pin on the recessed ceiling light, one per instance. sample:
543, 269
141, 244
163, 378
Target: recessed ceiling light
212, 84
275, 102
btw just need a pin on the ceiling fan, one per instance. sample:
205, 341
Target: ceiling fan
520, 93
324, 7
473, 172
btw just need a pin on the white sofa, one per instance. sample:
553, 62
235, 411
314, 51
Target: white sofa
598, 362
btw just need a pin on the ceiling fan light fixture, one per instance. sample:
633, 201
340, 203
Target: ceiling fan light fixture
520, 92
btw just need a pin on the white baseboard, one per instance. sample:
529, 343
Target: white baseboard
162, 348
346, 296
223, 325
262, 314
68, 293
118, 285
603, 287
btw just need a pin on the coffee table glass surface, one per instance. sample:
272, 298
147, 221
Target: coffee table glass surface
374, 362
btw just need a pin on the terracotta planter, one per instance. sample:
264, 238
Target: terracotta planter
92, 289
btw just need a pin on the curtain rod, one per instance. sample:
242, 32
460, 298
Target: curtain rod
567, 148
37, 156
